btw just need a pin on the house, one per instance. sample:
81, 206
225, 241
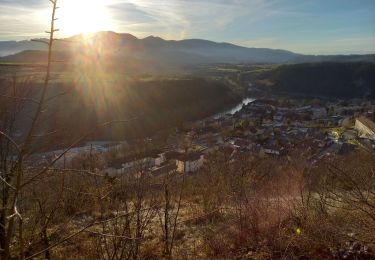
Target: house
271, 148
136, 162
319, 112
172, 155
140, 163
272, 151
158, 158
365, 127
349, 135
115, 170
303, 109
278, 118
241, 144
346, 122
189, 162
346, 148
164, 169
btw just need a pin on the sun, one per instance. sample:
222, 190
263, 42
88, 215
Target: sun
83, 16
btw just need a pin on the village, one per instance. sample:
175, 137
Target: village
265, 127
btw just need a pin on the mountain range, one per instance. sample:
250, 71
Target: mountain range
117, 48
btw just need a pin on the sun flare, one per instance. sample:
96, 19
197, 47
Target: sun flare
83, 16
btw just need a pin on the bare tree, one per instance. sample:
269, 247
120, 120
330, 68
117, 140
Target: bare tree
169, 213
12, 177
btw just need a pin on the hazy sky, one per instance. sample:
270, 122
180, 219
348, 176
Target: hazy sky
303, 26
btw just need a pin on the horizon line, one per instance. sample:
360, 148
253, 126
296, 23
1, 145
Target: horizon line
209, 40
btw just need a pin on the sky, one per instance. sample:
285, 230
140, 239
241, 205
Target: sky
302, 26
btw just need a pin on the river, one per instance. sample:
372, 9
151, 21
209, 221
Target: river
235, 108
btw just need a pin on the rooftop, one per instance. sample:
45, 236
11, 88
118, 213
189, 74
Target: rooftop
367, 122
193, 156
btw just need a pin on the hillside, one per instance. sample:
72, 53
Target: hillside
155, 103
329, 79
12, 47
153, 51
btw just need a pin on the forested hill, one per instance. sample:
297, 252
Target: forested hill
329, 79
156, 104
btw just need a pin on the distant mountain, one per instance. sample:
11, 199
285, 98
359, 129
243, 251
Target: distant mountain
12, 47
154, 51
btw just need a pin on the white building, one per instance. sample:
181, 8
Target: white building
159, 159
189, 162
365, 127
137, 164
319, 112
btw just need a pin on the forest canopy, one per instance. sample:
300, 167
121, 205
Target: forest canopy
328, 79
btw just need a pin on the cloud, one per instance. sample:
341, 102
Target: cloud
23, 3
22, 19
179, 18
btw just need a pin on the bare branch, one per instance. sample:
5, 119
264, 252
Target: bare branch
72, 170
20, 99
111, 235
10, 140
41, 41
59, 95
47, 134
9, 185
79, 232
73, 145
